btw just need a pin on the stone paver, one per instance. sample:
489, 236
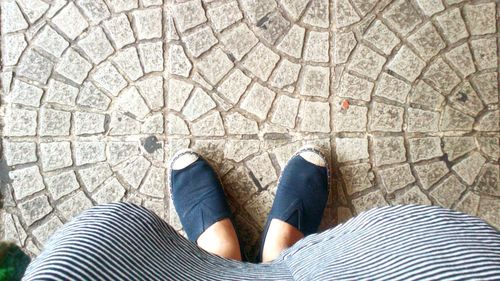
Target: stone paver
402, 96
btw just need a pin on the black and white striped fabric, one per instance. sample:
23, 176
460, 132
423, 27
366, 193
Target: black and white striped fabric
126, 242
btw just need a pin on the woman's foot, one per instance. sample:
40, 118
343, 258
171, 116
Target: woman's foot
299, 204
200, 202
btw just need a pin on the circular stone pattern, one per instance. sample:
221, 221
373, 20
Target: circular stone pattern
401, 95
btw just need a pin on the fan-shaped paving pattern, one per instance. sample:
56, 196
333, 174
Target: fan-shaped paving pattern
402, 95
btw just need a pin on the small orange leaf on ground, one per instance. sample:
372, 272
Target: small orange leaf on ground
345, 104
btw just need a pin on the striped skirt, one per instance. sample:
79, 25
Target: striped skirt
127, 242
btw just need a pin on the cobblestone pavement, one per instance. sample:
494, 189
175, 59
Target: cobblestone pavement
97, 94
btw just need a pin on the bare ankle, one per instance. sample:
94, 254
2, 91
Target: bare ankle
221, 239
280, 236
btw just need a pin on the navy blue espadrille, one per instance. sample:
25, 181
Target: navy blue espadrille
301, 195
197, 195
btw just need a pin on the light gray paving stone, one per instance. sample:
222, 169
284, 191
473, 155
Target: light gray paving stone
153, 124
25, 94
12, 47
61, 93
127, 60
55, 155
111, 191
364, 6
91, 96
354, 87
13, 230
119, 29
351, 149
122, 5
74, 205
34, 209
425, 95
427, 41
257, 9
430, 7
367, 62
467, 100
130, 101
261, 61
413, 196
388, 150
238, 40
407, 64
88, 123
368, 201
96, 45
224, 15
314, 117
239, 184
286, 110
26, 181
239, 150
19, 122
345, 14
468, 168
148, 3
176, 125
318, 14
422, 120
440, 76
55, 7
33, 9
61, 184
209, 125
272, 27
480, 18
86, 152
179, 63
468, 204
262, 168
158, 207
258, 101
285, 152
424, 148
294, 7
448, 191
34, 66
215, 65
343, 46
386, 118
489, 146
315, 81
381, 37
317, 47
94, 175
107, 77
154, 183
238, 124
73, 66
200, 41
402, 16
352, 119
430, 173
488, 210
19, 152
485, 50
489, 122
135, 171
50, 41
487, 86
396, 177
259, 204
452, 24
199, 104
489, 180
285, 75
151, 89
392, 88
151, 55
454, 120
178, 93
188, 14
54, 122
147, 23
357, 177
94, 10
293, 41
12, 18
122, 124
461, 58
70, 21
